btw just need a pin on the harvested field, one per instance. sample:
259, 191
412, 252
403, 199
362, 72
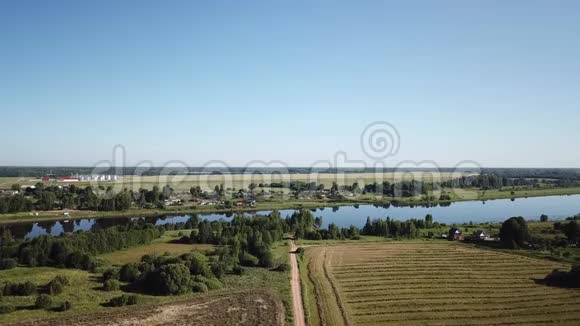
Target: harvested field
241, 308
435, 284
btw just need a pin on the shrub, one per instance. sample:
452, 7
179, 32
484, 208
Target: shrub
129, 273
248, 260
219, 269
111, 285
20, 289
198, 287
118, 301
43, 301
124, 300
282, 268
300, 250
8, 263
55, 287
65, 306
62, 279
238, 270
132, 300
6, 308
197, 264
170, 279
111, 274
266, 259
211, 283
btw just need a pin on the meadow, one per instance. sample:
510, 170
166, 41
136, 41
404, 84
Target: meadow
88, 298
418, 283
242, 181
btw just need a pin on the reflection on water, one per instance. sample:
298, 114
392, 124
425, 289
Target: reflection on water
461, 212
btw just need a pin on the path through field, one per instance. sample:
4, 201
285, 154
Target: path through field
296, 290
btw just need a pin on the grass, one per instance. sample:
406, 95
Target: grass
419, 283
279, 282
164, 244
87, 297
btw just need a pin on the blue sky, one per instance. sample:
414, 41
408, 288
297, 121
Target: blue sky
496, 82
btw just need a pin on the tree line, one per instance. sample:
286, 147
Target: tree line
75, 250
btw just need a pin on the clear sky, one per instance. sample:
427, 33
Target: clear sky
497, 82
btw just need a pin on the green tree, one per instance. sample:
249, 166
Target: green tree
46, 200
129, 273
171, 279
252, 187
514, 232
572, 231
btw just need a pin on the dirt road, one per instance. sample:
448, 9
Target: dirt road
296, 290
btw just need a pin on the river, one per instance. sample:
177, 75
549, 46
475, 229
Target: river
556, 207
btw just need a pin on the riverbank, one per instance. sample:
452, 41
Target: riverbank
459, 196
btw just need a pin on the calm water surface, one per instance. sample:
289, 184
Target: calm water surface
556, 207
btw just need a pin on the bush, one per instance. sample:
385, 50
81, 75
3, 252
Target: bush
238, 270
282, 268
300, 250
118, 301
170, 279
55, 287
197, 264
8, 263
6, 308
211, 283
124, 300
111, 274
43, 301
132, 300
267, 259
20, 289
111, 285
62, 279
65, 306
199, 287
248, 260
129, 273
565, 279
219, 269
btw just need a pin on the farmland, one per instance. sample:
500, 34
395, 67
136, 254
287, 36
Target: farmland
239, 181
430, 283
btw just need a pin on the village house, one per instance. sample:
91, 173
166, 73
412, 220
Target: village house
454, 234
480, 235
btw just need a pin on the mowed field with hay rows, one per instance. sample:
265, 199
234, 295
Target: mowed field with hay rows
435, 283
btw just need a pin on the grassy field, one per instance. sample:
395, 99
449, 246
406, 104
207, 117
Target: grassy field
164, 245
432, 283
87, 296
208, 182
